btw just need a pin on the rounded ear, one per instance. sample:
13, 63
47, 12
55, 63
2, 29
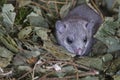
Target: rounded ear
90, 26
60, 26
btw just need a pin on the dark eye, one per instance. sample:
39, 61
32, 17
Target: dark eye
85, 39
86, 25
69, 40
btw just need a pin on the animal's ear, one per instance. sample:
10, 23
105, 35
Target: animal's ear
60, 26
90, 26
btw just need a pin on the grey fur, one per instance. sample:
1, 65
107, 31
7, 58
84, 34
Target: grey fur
75, 31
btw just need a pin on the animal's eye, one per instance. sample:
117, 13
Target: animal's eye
86, 25
69, 40
85, 39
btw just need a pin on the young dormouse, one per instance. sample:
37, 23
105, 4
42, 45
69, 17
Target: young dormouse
75, 31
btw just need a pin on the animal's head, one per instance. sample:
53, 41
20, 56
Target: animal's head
74, 35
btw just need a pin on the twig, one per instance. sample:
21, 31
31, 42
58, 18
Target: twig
37, 63
58, 2
69, 77
34, 3
20, 78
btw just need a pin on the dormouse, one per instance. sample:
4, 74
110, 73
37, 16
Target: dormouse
75, 31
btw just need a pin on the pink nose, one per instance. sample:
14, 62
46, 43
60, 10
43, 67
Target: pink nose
79, 51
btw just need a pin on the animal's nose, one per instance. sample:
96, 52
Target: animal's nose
79, 51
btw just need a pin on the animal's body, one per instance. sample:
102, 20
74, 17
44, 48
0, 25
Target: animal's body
75, 31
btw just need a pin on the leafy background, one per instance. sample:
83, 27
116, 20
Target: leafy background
29, 50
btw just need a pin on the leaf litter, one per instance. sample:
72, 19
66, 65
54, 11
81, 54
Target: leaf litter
29, 50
